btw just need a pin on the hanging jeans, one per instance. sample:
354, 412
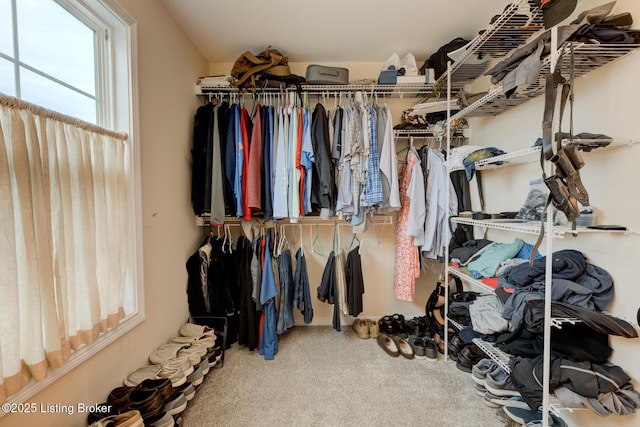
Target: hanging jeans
285, 315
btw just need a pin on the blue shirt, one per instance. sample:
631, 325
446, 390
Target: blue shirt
230, 160
268, 292
237, 184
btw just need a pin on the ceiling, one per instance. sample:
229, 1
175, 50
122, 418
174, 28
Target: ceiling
330, 30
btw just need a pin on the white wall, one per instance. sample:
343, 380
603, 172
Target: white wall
168, 64
605, 102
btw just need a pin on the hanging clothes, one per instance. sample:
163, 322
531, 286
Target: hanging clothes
217, 188
225, 113
230, 159
254, 170
302, 293
307, 159
223, 286
197, 279
321, 193
336, 154
389, 165
199, 155
244, 142
292, 161
256, 271
373, 186
248, 316
285, 272
294, 167
407, 263
268, 292
327, 291
281, 172
355, 282
437, 233
268, 160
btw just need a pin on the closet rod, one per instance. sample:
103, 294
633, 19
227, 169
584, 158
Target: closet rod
381, 90
203, 221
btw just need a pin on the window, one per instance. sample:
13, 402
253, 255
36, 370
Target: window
54, 55
75, 57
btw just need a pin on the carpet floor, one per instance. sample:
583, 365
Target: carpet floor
321, 377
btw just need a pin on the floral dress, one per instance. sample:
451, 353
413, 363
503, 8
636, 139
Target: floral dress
407, 263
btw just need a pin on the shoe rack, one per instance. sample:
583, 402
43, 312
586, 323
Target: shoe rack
588, 57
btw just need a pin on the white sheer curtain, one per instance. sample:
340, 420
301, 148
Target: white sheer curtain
63, 234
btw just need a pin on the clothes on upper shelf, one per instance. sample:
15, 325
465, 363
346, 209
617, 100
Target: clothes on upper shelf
523, 65
487, 263
574, 281
290, 161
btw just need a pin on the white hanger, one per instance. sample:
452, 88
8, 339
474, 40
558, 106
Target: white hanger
300, 240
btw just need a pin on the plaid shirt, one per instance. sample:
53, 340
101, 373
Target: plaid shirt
373, 187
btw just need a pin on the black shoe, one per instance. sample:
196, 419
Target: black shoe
455, 346
432, 349
385, 324
397, 320
469, 356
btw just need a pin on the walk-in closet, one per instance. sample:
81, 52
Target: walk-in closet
328, 214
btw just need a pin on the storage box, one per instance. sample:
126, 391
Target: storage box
323, 75
586, 220
411, 80
389, 77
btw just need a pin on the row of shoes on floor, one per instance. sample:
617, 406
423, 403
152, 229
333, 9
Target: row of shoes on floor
493, 384
408, 338
157, 394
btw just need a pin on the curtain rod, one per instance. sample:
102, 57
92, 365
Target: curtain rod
20, 104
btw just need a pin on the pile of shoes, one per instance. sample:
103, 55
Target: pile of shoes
494, 384
155, 395
409, 338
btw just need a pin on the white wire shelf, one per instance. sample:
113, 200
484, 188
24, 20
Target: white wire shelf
477, 283
389, 90
558, 322
533, 227
557, 408
512, 28
203, 220
518, 227
588, 57
497, 355
532, 154
455, 324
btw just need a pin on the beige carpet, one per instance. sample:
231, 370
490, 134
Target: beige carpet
321, 377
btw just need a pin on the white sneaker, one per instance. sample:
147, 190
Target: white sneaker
207, 341
180, 362
194, 330
164, 353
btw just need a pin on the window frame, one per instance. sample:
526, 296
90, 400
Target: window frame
118, 92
